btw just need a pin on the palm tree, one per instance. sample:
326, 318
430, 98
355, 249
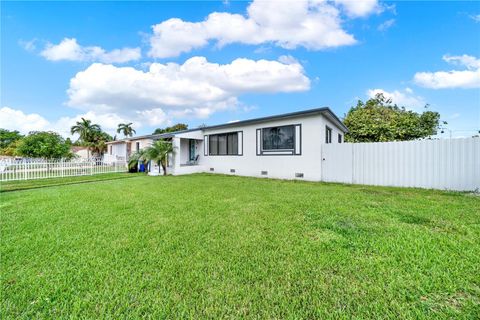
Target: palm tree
85, 129
158, 152
126, 129
98, 142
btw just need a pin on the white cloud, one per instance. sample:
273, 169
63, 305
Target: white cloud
287, 59
196, 88
405, 98
313, 24
156, 93
359, 8
475, 17
448, 79
13, 119
386, 25
109, 95
29, 45
465, 79
69, 49
465, 60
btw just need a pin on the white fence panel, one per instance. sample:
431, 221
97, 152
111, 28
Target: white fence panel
337, 163
41, 169
452, 164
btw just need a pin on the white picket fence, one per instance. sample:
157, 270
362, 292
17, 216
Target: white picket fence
40, 169
449, 164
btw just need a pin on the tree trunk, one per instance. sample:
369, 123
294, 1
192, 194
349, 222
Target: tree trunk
164, 167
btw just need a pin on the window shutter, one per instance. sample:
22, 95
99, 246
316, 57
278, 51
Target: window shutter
205, 145
240, 143
298, 139
259, 142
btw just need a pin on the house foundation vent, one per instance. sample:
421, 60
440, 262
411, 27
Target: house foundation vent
298, 175
212, 169
264, 173
232, 170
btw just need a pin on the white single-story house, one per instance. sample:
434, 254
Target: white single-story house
286, 146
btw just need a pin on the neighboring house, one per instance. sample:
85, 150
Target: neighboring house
286, 146
122, 149
80, 152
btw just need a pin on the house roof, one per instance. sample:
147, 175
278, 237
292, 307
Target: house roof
324, 111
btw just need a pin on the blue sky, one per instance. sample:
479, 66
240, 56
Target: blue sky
158, 63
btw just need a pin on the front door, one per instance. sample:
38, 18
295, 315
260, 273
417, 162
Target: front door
191, 148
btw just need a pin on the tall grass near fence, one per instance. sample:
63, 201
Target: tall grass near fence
26, 169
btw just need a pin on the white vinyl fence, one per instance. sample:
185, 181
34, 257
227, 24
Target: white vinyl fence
39, 169
450, 164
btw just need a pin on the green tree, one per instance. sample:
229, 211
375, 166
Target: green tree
86, 130
11, 149
8, 140
379, 120
174, 128
98, 142
158, 152
42, 144
126, 129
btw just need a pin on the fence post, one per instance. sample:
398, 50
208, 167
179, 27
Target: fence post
25, 171
91, 166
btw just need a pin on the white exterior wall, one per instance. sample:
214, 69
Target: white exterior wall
181, 147
144, 143
184, 151
119, 149
277, 166
82, 154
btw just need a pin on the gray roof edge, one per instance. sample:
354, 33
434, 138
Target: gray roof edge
281, 116
147, 136
245, 122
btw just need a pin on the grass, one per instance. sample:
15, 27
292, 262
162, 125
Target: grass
213, 246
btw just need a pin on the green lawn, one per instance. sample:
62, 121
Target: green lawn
213, 246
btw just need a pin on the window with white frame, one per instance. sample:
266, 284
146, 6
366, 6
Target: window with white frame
279, 140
